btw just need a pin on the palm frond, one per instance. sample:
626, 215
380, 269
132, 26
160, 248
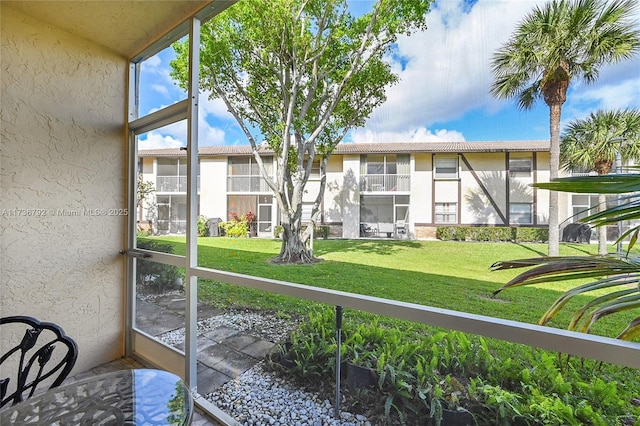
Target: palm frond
632, 331
606, 184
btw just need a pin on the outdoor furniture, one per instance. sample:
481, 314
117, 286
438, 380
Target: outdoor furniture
367, 230
39, 354
400, 229
127, 397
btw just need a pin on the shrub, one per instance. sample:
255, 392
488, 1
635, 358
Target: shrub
445, 233
203, 230
235, 229
153, 276
531, 234
461, 233
492, 233
322, 231
278, 230
422, 373
238, 226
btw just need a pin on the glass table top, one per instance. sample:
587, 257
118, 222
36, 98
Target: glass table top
129, 397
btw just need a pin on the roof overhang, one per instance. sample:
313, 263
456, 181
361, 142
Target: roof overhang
370, 148
124, 26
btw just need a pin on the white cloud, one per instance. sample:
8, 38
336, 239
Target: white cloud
420, 134
448, 72
156, 140
163, 90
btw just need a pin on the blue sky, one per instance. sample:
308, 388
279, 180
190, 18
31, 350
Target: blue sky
443, 93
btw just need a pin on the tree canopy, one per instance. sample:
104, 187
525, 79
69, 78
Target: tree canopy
297, 75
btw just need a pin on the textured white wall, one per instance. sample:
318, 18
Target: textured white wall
63, 153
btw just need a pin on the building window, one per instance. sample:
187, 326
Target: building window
520, 167
389, 172
446, 213
446, 167
521, 213
244, 174
583, 205
171, 174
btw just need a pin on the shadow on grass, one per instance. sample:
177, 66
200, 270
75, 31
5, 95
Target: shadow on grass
578, 247
538, 252
379, 247
472, 295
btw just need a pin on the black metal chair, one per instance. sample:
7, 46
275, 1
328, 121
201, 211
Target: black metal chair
44, 355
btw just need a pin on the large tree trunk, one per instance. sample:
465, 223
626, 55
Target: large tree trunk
294, 246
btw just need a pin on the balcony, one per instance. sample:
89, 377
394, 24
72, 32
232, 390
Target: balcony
173, 184
246, 184
385, 183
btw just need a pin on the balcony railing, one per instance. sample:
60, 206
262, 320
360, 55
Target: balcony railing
246, 184
563, 341
173, 183
385, 183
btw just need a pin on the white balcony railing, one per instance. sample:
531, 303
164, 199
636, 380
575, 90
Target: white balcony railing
246, 184
173, 183
567, 342
385, 183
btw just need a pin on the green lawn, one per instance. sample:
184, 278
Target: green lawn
451, 275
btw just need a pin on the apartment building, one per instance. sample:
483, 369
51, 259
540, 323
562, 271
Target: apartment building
392, 190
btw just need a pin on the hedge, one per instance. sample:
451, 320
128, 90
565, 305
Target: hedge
492, 233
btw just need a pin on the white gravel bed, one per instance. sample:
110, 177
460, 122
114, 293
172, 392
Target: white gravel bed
260, 398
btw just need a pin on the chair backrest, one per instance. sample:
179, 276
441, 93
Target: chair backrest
39, 353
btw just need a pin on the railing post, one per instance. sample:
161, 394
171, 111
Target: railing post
336, 413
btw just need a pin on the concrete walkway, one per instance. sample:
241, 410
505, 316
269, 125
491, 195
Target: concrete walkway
223, 352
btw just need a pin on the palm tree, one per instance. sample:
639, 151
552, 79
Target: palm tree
616, 275
561, 42
589, 144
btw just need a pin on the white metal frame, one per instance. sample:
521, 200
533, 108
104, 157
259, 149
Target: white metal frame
577, 344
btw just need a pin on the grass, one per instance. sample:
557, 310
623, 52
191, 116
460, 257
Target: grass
450, 275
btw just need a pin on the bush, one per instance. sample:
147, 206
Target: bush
492, 233
278, 230
322, 231
445, 233
239, 226
203, 229
153, 276
421, 373
235, 229
531, 234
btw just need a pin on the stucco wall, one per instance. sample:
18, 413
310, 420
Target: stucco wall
213, 187
63, 156
489, 169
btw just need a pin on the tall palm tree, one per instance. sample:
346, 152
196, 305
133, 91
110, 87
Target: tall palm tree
617, 276
560, 42
590, 144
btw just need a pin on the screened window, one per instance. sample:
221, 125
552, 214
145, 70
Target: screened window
521, 213
385, 172
446, 213
244, 174
582, 203
520, 167
446, 167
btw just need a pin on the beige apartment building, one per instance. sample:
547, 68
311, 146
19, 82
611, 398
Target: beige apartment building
392, 190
